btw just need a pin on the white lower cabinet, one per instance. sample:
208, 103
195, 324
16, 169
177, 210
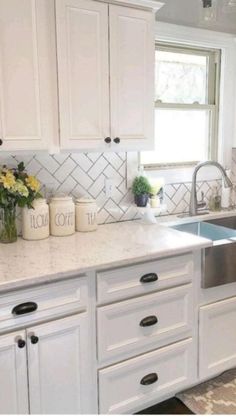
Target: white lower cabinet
143, 348
59, 366
146, 344
217, 337
13, 374
126, 387
145, 323
57, 357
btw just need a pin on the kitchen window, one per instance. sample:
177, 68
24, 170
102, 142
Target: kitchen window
186, 106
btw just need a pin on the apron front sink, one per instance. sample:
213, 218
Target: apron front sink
218, 261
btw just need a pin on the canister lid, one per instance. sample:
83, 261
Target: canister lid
85, 200
61, 198
39, 201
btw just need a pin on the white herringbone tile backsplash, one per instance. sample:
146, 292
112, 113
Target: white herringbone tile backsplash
85, 173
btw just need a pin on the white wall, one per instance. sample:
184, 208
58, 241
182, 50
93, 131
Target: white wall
189, 12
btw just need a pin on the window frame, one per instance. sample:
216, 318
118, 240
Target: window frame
213, 86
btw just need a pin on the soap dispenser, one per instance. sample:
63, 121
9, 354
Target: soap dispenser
215, 200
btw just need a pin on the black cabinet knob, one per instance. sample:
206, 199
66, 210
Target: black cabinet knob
21, 343
116, 140
1, 142
148, 321
24, 308
152, 277
149, 379
107, 140
34, 339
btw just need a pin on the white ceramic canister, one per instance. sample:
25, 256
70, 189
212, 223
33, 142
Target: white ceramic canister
35, 222
62, 216
155, 202
86, 214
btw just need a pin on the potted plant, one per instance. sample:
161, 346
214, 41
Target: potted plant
16, 188
141, 189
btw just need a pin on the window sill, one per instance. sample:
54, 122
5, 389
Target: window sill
184, 174
174, 174
168, 166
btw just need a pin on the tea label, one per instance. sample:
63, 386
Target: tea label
91, 217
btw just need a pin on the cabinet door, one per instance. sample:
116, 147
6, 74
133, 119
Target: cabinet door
217, 336
13, 375
59, 366
82, 42
132, 51
27, 107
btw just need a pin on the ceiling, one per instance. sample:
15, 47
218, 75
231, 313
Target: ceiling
189, 12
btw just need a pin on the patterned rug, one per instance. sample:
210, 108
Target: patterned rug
214, 397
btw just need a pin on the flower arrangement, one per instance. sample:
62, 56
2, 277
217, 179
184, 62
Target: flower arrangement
16, 188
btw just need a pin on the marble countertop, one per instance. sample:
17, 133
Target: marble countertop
27, 263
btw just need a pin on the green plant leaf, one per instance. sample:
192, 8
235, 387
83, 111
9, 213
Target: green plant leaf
21, 166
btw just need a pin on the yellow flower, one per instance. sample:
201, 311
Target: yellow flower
8, 179
33, 183
156, 185
21, 188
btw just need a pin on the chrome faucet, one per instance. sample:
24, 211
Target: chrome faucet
194, 205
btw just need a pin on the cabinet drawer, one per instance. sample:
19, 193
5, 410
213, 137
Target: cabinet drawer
217, 337
51, 300
171, 368
140, 279
144, 323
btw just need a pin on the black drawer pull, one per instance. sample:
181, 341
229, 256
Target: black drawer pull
24, 308
149, 379
148, 321
152, 277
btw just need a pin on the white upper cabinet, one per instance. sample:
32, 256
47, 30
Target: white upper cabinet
27, 74
93, 59
83, 73
132, 77
106, 75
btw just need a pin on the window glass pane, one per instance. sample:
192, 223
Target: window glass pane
181, 78
180, 136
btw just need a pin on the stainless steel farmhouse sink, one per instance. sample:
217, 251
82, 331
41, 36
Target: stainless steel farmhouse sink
218, 261
207, 230
229, 222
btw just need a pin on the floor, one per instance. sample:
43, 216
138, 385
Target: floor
168, 407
